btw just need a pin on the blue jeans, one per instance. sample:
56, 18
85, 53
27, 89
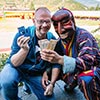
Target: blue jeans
9, 79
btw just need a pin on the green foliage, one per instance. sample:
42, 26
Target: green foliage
69, 4
97, 8
31, 5
3, 58
51, 4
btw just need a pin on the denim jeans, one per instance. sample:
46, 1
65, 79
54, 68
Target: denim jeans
9, 79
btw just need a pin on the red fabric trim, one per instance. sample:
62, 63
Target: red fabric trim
87, 73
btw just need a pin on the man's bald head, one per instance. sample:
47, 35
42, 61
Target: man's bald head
42, 10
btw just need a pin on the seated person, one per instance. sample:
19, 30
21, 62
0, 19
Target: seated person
25, 63
79, 61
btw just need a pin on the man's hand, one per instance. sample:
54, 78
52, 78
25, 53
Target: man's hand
23, 42
45, 80
51, 56
49, 90
18, 58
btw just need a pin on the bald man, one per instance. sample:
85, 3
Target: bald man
25, 63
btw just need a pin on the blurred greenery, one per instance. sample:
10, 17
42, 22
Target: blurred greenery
3, 58
51, 4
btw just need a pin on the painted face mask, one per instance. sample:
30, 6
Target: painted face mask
64, 23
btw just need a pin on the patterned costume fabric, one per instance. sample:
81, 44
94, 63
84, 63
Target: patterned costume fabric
83, 48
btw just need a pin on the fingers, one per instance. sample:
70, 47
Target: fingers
48, 57
48, 51
46, 54
23, 41
49, 90
45, 80
43, 84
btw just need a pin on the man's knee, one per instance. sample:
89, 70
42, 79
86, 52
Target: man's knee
8, 76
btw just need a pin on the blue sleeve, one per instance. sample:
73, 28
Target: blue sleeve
69, 64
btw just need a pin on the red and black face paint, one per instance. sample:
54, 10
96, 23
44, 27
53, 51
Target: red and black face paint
63, 22
65, 17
